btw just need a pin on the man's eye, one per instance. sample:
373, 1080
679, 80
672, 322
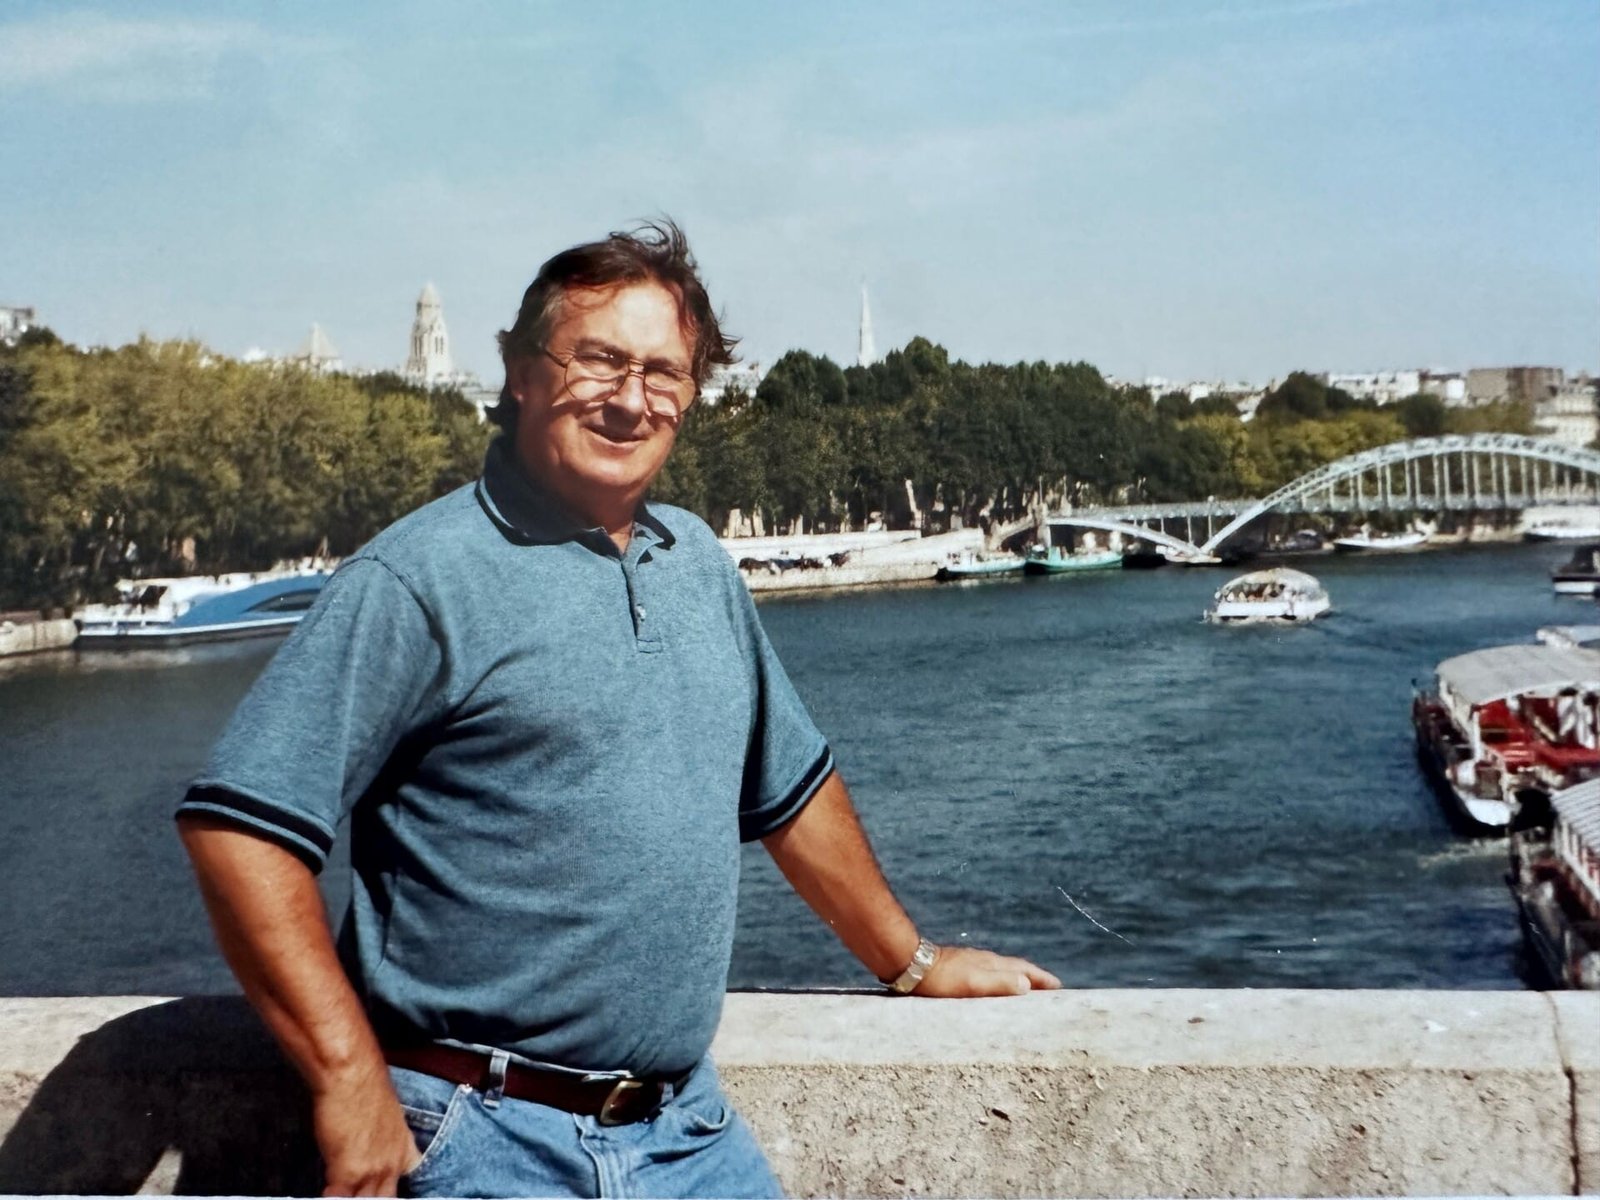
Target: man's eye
602, 360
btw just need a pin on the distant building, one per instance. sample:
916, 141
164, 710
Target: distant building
1245, 396
1570, 414
1449, 386
1381, 387
1524, 385
15, 321
317, 353
429, 360
745, 377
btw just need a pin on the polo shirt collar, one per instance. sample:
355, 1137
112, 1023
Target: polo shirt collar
529, 513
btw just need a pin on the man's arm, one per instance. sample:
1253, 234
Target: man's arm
825, 856
273, 929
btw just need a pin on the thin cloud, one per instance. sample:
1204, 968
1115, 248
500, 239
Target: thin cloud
109, 58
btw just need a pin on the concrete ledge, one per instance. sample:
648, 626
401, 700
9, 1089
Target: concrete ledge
1090, 1093
31, 637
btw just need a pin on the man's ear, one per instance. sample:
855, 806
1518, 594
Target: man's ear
519, 377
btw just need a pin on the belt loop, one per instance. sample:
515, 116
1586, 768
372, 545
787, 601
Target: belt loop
495, 1080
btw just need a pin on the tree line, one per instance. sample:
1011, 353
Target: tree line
161, 457
918, 436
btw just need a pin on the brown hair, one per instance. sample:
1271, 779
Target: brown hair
654, 251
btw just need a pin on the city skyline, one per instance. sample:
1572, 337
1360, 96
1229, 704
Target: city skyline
1226, 191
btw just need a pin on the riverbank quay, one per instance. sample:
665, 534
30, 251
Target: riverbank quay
31, 633
1074, 1093
833, 560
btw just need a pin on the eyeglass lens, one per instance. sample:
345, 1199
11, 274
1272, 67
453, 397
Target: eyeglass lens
592, 378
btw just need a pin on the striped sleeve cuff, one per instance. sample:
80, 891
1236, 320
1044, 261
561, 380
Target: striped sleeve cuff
307, 839
773, 816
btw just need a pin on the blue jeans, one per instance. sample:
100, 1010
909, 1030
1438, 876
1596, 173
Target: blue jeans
475, 1144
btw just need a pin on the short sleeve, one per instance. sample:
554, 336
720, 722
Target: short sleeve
788, 758
360, 672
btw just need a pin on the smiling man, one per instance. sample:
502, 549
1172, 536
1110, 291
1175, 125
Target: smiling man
551, 715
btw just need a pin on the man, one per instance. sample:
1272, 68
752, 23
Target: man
551, 715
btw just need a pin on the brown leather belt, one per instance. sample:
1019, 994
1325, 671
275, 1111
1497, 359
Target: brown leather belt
614, 1101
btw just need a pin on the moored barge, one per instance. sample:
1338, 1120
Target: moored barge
1555, 879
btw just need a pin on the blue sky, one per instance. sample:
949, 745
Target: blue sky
1195, 189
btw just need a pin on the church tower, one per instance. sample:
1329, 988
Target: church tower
429, 360
866, 348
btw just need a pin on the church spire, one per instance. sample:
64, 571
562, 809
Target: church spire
866, 348
429, 360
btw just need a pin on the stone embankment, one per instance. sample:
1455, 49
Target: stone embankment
28, 633
833, 560
1078, 1093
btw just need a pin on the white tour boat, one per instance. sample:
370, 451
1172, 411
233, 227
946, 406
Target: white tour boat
1562, 531
1381, 543
1276, 594
1506, 720
181, 611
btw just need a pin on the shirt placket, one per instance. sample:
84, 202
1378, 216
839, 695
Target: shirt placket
646, 639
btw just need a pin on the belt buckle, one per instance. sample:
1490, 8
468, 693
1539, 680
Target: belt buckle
616, 1099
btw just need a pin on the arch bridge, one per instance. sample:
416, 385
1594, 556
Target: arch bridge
1454, 473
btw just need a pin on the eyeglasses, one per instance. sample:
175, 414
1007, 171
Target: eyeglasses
593, 376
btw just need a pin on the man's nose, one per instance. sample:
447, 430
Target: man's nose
630, 396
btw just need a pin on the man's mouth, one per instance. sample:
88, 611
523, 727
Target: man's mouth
619, 437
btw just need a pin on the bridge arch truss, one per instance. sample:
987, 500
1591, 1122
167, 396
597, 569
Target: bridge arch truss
1456, 472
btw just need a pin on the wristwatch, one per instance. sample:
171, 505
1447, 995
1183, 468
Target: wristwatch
921, 963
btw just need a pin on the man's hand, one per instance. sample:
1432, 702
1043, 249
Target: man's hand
365, 1142
967, 971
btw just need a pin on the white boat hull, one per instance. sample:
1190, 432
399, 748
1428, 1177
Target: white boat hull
1491, 814
1380, 543
152, 635
1561, 533
1285, 611
1575, 587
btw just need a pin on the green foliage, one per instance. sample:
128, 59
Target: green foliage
1423, 415
987, 442
160, 457
1510, 416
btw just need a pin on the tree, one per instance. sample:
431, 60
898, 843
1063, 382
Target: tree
1423, 415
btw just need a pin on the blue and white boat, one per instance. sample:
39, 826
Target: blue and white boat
272, 604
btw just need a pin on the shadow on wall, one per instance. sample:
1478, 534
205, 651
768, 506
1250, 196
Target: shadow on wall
194, 1087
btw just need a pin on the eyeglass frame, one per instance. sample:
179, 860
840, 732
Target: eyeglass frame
633, 366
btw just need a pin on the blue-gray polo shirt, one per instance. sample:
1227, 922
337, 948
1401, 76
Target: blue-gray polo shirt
549, 752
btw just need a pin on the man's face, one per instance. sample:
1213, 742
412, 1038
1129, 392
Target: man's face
599, 457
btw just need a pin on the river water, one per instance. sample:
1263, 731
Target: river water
1075, 768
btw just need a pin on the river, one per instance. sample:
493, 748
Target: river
1072, 768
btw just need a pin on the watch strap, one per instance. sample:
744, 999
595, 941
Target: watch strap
921, 963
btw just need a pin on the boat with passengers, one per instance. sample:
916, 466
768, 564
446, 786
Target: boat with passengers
1278, 594
1507, 720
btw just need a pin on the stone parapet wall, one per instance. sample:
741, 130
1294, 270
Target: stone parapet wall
1078, 1093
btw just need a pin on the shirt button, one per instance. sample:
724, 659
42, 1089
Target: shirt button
640, 611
